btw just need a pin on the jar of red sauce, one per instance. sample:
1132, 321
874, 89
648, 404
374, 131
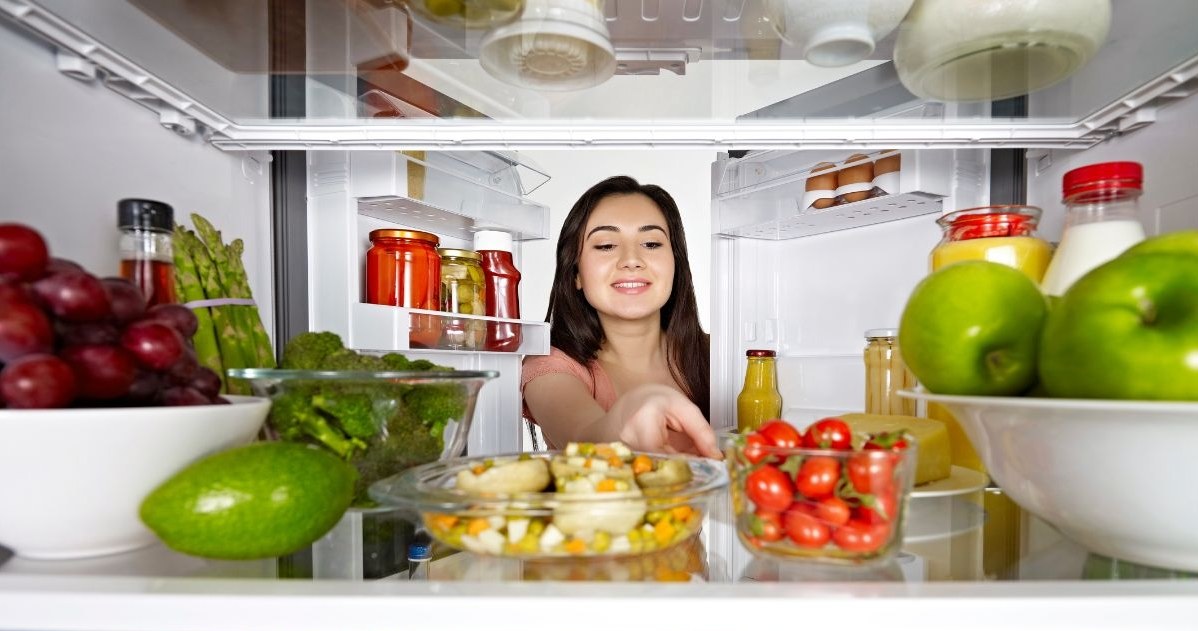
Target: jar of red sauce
403, 269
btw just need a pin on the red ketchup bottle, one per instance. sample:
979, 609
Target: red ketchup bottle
502, 289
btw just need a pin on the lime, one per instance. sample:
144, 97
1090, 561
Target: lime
257, 501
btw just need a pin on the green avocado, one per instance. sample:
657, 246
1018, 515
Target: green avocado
257, 501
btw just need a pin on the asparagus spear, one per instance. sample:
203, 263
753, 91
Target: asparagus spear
237, 315
227, 333
241, 289
188, 286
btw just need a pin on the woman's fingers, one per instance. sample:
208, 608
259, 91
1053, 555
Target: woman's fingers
687, 419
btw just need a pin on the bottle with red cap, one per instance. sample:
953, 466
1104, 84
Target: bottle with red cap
1102, 220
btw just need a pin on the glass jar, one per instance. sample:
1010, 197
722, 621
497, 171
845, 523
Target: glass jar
462, 291
759, 399
1000, 234
1102, 219
886, 374
147, 257
403, 269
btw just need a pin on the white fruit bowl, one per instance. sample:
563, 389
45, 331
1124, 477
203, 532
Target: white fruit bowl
71, 480
1118, 477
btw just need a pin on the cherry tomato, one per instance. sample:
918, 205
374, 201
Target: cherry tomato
769, 489
754, 449
805, 530
767, 526
881, 508
833, 510
828, 433
871, 471
817, 477
779, 433
858, 536
888, 441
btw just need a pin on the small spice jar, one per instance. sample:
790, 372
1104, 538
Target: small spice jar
403, 269
463, 290
886, 374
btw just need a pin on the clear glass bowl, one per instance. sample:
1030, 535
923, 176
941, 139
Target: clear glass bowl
809, 524
414, 417
523, 525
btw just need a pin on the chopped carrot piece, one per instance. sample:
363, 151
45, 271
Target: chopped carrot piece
478, 469
603, 451
681, 513
576, 546
641, 464
441, 521
477, 525
606, 485
663, 532
614, 461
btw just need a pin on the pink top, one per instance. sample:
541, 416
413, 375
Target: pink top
594, 378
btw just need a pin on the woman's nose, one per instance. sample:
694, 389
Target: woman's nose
632, 261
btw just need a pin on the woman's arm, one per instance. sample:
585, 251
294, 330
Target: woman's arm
651, 417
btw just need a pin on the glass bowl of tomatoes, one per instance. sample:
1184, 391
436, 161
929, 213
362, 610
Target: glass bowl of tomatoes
822, 494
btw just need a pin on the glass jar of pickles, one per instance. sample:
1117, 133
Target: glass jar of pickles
886, 374
462, 291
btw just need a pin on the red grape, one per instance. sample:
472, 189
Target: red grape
37, 381
24, 330
128, 303
183, 371
183, 396
178, 317
13, 290
23, 251
87, 333
146, 387
56, 266
101, 371
154, 344
221, 401
74, 296
206, 381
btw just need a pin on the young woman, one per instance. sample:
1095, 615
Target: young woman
629, 361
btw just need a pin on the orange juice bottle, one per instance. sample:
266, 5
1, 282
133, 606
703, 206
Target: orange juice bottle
1001, 234
759, 400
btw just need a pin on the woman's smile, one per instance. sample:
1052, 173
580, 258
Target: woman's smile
632, 286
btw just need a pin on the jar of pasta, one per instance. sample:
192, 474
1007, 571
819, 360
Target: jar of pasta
462, 291
404, 270
886, 374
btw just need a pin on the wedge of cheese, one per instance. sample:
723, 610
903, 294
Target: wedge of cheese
934, 459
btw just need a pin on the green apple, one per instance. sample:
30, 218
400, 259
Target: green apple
1126, 330
1185, 242
973, 328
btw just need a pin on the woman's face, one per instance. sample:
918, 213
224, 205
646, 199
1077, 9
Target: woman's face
626, 269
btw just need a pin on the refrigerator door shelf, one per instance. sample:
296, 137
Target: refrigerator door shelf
385, 328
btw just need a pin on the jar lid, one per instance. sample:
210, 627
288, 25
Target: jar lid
146, 214
760, 353
873, 334
1104, 180
990, 221
461, 254
388, 233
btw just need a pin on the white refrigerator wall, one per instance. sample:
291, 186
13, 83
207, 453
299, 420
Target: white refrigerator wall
72, 149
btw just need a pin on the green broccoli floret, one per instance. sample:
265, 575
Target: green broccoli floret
395, 361
353, 411
406, 442
437, 404
346, 359
295, 418
422, 364
307, 351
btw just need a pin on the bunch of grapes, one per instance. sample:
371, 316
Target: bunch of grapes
68, 338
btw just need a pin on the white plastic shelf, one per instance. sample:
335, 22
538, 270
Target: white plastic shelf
808, 222
384, 328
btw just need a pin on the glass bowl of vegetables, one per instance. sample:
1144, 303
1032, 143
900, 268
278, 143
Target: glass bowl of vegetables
588, 500
824, 494
380, 421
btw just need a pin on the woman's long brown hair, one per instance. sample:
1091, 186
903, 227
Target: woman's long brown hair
574, 323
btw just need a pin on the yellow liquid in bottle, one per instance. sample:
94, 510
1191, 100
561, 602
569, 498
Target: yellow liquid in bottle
759, 400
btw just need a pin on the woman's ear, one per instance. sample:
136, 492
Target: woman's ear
577, 281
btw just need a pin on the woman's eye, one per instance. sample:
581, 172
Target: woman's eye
604, 247
653, 245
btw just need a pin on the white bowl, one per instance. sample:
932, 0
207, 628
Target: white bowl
1118, 477
835, 32
72, 480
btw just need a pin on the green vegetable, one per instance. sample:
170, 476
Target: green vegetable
189, 289
230, 284
381, 427
256, 501
265, 351
227, 335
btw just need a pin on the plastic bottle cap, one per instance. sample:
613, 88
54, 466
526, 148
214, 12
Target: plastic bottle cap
419, 551
1104, 176
760, 353
876, 333
493, 240
146, 214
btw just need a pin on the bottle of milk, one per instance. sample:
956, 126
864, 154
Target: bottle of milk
1102, 220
